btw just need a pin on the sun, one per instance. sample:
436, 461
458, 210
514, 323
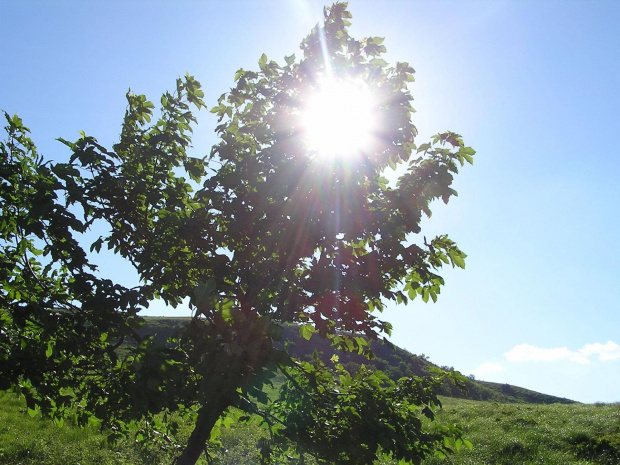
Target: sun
338, 118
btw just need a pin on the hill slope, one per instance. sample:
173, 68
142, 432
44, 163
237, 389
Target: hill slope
392, 360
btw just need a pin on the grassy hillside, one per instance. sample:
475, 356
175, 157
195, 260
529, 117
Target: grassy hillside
393, 361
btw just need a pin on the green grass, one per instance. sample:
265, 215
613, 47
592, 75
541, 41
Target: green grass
535, 434
501, 433
29, 441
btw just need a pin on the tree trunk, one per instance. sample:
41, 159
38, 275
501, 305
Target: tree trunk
207, 416
219, 389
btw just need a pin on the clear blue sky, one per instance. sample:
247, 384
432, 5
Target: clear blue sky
531, 85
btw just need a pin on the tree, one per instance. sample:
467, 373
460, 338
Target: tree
258, 234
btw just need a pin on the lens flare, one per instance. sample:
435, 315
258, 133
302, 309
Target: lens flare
338, 118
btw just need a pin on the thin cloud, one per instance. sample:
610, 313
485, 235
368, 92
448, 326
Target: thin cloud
608, 351
529, 353
489, 367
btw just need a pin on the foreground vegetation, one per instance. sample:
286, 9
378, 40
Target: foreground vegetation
501, 433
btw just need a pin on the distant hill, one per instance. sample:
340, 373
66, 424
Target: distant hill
392, 360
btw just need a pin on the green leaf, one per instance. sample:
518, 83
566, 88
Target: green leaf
262, 62
225, 308
457, 259
306, 331
378, 62
204, 293
240, 72
424, 147
275, 331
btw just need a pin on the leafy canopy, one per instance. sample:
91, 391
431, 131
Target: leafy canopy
261, 232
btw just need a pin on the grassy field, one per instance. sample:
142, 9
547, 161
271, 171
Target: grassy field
501, 433
25, 440
535, 434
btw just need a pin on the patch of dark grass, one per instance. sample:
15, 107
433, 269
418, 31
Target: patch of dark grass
602, 447
514, 451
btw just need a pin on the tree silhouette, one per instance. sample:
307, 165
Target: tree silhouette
261, 233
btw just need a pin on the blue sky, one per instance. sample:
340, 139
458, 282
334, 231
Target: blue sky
531, 85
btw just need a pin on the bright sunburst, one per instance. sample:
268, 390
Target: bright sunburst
338, 118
